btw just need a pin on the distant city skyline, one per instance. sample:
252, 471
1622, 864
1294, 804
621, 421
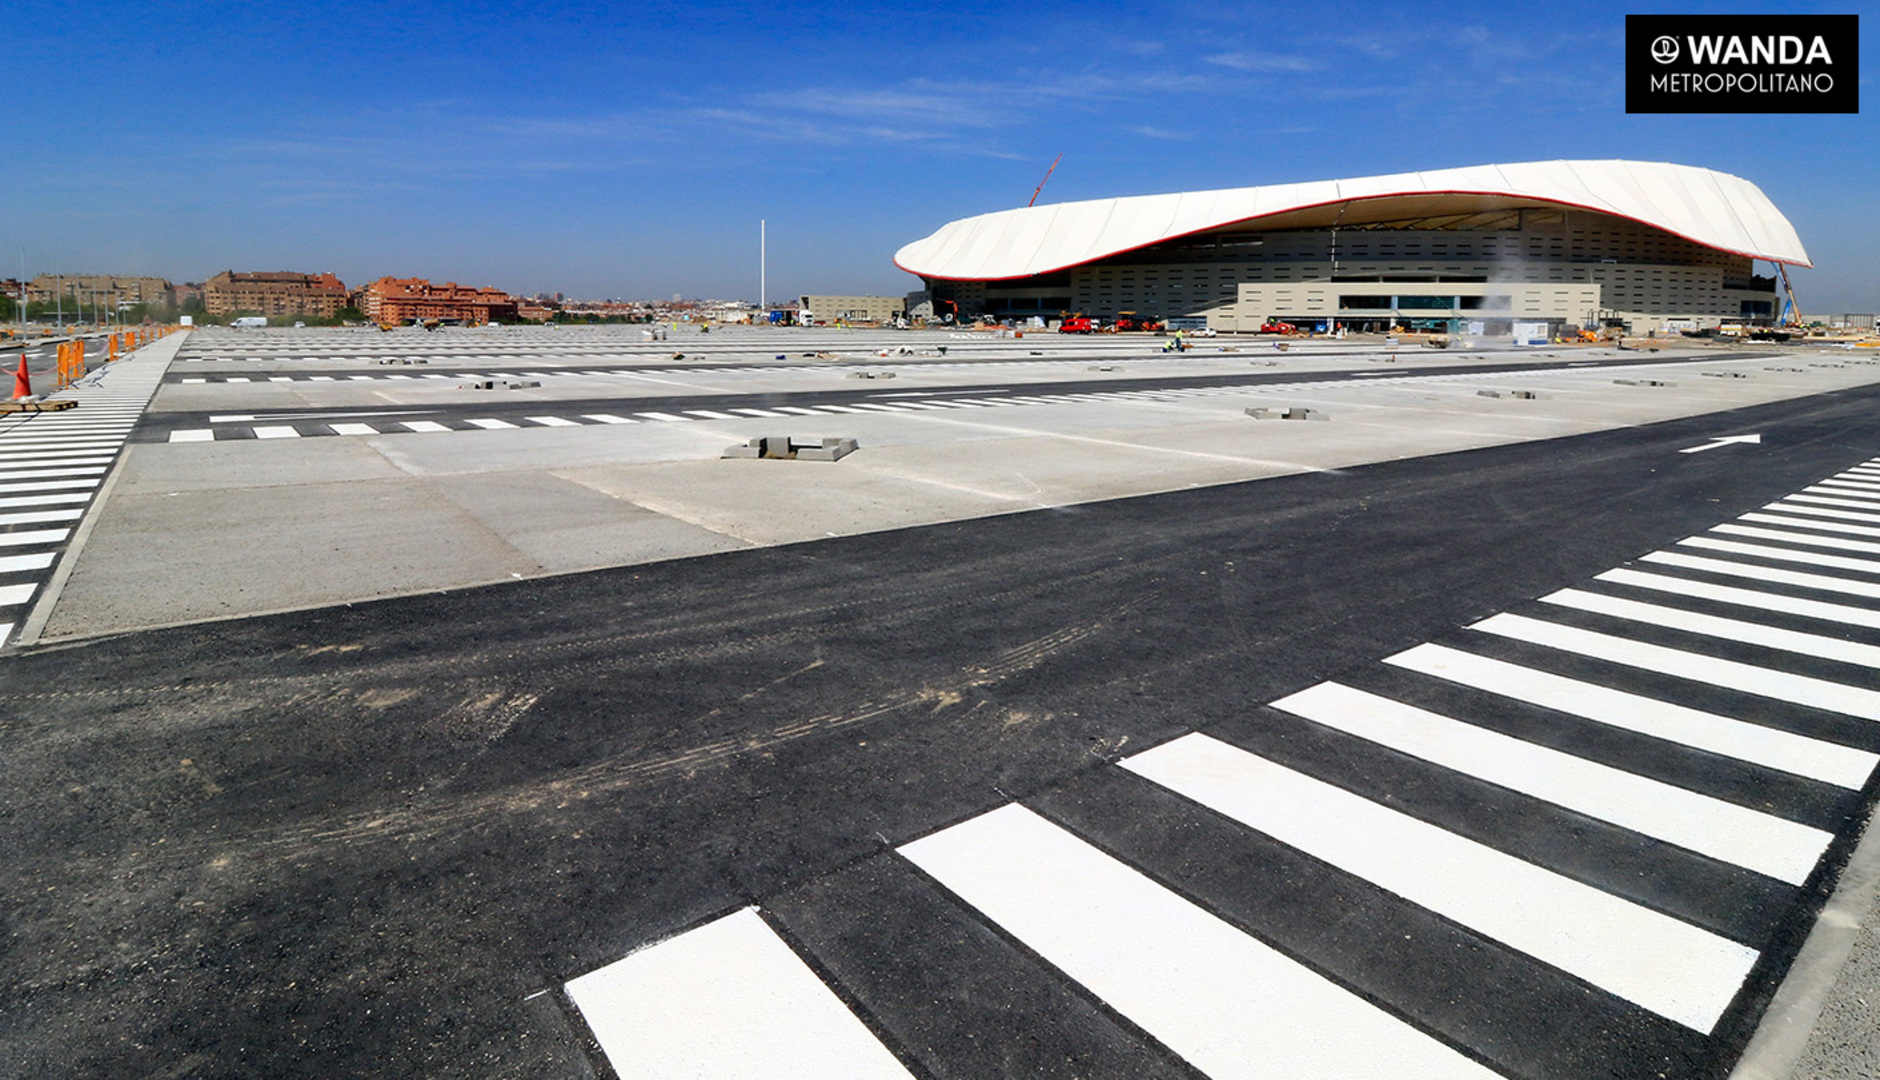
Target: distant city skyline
613, 151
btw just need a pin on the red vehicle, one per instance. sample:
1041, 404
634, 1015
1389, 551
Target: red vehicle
1271, 327
1076, 325
1129, 320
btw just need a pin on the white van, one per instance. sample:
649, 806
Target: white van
249, 321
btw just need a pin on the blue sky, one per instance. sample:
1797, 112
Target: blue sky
630, 149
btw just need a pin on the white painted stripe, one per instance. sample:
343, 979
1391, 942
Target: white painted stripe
45, 474
1809, 558
1803, 523
15, 595
40, 457
607, 418
1226, 1002
193, 435
1752, 598
236, 378
1692, 622
1730, 674
10, 457
1851, 486
276, 431
40, 517
6, 632
1810, 505
49, 486
667, 417
195, 380
1828, 762
1799, 538
401, 378
731, 1000
1824, 500
87, 441
551, 421
422, 426
710, 415
798, 409
13, 564
1722, 830
490, 425
1676, 970
6, 468
361, 378
280, 378
45, 500
353, 429
838, 409
1862, 493
320, 378
1770, 574
758, 412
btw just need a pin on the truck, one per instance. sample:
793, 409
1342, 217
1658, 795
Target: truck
249, 322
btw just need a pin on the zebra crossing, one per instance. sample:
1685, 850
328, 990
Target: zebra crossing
52, 465
236, 426
1570, 839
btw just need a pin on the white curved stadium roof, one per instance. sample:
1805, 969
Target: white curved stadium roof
1710, 208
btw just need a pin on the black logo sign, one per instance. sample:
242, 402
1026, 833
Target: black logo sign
1742, 63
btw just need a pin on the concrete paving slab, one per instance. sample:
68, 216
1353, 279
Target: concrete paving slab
565, 526
159, 559
158, 468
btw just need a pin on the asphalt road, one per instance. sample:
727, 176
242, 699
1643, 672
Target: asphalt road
378, 840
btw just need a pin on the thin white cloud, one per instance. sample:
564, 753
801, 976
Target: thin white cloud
1262, 61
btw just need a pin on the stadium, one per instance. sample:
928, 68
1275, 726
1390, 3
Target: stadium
1646, 246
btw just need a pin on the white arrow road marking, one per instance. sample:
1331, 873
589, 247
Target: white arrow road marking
1721, 440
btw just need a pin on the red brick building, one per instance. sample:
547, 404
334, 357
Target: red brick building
279, 292
399, 300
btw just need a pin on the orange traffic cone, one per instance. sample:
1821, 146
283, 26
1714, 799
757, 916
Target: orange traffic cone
22, 381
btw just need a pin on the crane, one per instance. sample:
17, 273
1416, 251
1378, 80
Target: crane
1791, 311
1047, 176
